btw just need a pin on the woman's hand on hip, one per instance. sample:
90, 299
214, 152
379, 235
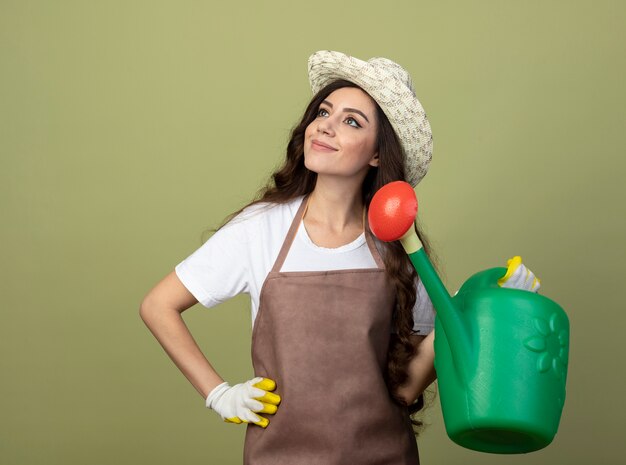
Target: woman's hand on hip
242, 402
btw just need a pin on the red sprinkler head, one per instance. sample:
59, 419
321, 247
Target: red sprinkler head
392, 211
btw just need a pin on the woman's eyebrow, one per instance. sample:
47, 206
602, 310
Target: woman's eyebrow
354, 110
348, 110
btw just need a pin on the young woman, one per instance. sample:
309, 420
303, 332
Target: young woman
342, 343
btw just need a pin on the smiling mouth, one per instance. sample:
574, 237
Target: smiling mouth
322, 147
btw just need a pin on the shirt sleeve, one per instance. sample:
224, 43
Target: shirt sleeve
218, 270
423, 311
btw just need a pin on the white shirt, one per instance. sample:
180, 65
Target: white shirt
239, 256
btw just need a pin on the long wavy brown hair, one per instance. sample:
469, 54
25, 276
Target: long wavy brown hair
293, 179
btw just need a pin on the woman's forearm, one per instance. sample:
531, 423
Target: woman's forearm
421, 369
169, 328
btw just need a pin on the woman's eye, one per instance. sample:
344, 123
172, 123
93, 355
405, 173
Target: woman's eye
322, 112
352, 122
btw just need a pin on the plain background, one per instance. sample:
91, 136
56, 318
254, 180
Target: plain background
129, 128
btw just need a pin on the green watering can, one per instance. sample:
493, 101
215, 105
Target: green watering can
500, 354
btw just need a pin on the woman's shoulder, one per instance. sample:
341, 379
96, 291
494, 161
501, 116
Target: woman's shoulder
267, 214
260, 224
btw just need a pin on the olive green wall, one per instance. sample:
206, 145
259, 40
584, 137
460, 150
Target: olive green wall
128, 128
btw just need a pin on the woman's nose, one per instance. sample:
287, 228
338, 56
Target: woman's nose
325, 127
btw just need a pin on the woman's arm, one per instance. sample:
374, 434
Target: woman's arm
161, 311
421, 369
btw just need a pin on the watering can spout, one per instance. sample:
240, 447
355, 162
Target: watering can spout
392, 215
451, 317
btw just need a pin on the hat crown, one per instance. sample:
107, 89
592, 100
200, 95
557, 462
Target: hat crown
393, 68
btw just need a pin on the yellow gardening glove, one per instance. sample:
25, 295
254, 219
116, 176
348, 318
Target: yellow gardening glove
240, 403
518, 276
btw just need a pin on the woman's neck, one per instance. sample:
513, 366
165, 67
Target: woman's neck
337, 210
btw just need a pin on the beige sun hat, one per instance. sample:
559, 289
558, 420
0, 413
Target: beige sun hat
389, 84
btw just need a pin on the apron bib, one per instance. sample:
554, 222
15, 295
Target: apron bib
323, 337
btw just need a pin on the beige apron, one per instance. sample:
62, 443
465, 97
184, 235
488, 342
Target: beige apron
323, 337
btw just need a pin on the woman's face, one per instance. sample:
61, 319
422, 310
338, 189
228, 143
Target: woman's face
341, 140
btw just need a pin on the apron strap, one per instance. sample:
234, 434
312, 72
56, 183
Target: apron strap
369, 238
278, 264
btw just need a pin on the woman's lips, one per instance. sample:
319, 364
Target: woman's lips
321, 147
